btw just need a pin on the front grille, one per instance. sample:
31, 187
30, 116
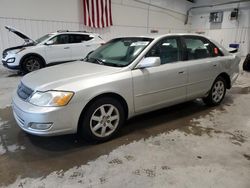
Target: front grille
23, 91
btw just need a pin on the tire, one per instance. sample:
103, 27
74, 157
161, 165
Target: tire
31, 63
246, 63
102, 120
216, 93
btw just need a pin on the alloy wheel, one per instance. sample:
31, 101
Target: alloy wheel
32, 65
104, 120
218, 91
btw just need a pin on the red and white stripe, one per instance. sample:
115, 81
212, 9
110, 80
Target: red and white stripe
97, 13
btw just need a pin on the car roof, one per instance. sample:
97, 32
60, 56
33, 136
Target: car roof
156, 36
74, 32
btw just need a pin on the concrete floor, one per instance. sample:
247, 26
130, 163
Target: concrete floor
25, 159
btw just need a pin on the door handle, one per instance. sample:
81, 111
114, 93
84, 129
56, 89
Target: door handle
181, 72
66, 48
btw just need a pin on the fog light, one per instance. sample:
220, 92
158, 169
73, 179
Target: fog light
40, 126
11, 60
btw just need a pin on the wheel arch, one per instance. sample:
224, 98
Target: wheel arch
108, 94
32, 54
227, 79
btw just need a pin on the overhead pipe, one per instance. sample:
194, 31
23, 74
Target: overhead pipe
156, 6
213, 5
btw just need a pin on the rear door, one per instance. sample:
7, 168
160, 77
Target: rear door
81, 45
163, 85
202, 65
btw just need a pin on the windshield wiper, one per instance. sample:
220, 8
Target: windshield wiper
112, 64
101, 62
93, 60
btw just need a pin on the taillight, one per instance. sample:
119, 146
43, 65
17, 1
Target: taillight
216, 51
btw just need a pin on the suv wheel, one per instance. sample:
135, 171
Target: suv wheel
217, 92
31, 63
102, 120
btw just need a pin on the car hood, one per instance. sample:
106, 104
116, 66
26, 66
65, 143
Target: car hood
55, 77
20, 34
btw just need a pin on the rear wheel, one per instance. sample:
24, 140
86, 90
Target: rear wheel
102, 120
31, 63
217, 92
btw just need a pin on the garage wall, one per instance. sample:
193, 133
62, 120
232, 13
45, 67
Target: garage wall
229, 31
36, 18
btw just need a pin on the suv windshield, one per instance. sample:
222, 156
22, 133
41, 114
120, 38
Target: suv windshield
119, 52
45, 37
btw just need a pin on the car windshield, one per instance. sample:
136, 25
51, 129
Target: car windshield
119, 52
43, 38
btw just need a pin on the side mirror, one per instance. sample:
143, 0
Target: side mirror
149, 62
50, 42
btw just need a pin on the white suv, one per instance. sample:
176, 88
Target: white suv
53, 48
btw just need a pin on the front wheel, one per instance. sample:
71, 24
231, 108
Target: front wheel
217, 92
102, 120
31, 64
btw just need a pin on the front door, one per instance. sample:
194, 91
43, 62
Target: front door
163, 85
59, 50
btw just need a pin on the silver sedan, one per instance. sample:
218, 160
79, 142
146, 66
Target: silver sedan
123, 78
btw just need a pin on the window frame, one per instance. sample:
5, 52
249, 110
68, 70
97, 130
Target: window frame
179, 47
204, 40
58, 36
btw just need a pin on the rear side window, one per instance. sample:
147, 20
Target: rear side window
197, 48
215, 50
79, 38
167, 49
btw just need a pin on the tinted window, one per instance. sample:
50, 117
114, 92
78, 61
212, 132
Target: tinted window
167, 50
197, 48
60, 39
79, 38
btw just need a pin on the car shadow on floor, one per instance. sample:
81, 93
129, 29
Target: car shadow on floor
15, 74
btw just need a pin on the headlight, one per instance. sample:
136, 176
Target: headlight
51, 98
11, 60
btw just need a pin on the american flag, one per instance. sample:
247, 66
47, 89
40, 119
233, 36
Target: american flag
97, 13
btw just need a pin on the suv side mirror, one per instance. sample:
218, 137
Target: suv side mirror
50, 42
149, 62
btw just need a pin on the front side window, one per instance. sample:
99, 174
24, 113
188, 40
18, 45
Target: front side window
119, 52
197, 48
167, 49
60, 39
43, 38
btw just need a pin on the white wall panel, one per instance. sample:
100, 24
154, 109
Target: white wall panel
36, 18
231, 31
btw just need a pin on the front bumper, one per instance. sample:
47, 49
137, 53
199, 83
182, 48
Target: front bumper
15, 67
64, 120
15, 64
